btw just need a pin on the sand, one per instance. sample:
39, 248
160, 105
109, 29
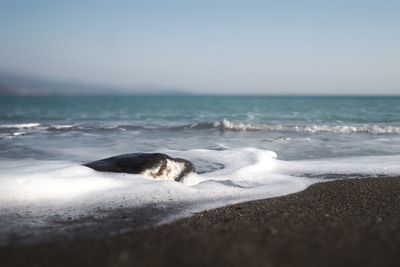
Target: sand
341, 223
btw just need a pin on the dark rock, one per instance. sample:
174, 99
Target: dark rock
154, 165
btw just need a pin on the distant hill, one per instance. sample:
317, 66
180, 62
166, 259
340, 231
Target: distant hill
24, 85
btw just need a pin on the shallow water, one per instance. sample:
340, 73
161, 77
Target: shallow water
244, 148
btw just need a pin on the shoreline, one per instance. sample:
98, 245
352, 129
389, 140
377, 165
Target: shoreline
341, 223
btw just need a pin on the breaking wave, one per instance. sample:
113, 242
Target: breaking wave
313, 128
223, 125
20, 125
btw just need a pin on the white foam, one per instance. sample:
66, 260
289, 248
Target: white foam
47, 188
229, 125
44, 183
236, 126
17, 133
20, 125
171, 171
366, 165
63, 127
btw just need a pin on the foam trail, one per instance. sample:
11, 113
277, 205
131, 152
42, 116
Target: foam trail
21, 125
229, 125
366, 165
53, 184
37, 192
223, 125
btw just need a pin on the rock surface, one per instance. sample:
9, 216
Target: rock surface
153, 165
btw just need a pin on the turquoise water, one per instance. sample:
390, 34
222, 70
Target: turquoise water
189, 109
293, 127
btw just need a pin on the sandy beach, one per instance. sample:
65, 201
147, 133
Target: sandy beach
341, 223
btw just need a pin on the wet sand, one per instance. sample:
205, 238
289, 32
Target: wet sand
342, 223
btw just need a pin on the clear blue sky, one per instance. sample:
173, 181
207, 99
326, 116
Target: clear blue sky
267, 47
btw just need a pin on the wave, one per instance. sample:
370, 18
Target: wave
223, 125
228, 125
20, 125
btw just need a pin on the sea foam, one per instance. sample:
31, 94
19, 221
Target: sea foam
20, 125
39, 191
230, 125
222, 125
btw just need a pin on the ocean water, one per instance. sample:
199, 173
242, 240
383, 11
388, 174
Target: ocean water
244, 148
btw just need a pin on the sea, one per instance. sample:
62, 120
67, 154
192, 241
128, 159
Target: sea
244, 148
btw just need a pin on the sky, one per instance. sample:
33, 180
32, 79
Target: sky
209, 46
